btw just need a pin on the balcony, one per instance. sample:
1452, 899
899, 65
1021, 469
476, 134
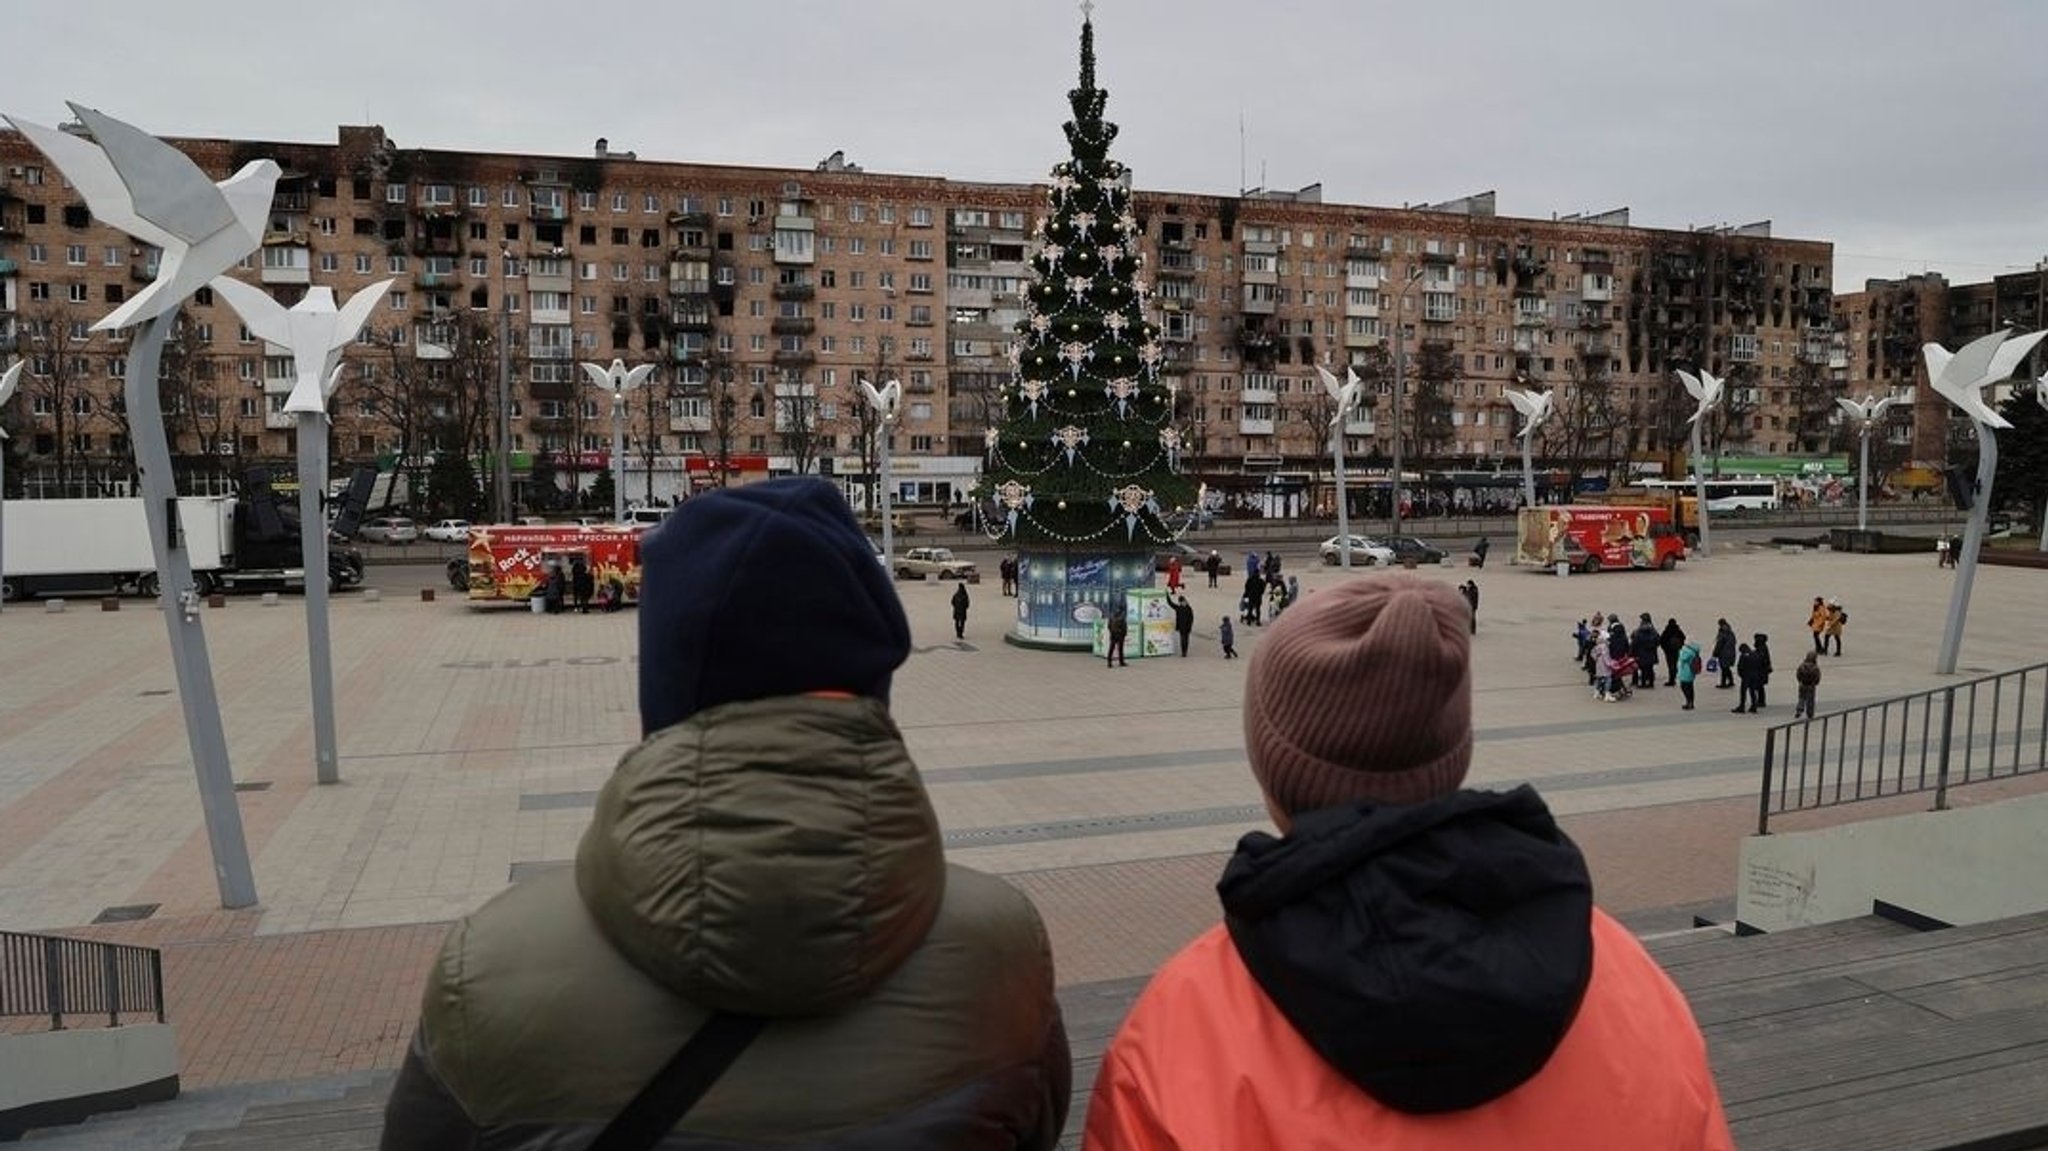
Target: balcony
1527, 264
1531, 312
143, 272
1254, 395
543, 213
1361, 339
689, 219
1368, 281
793, 292
1259, 305
1439, 257
1439, 307
552, 352
435, 280
7, 267
792, 325
691, 319
690, 354
782, 359
1248, 426
1594, 319
679, 286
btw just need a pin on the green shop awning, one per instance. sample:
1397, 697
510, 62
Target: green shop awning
1779, 465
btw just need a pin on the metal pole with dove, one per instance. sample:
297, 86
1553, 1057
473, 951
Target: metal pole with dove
9, 380
317, 334
155, 193
618, 380
887, 401
2040, 397
1347, 394
1960, 378
1866, 414
1535, 408
1707, 390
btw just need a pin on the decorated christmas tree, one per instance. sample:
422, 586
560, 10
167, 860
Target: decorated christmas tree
1084, 456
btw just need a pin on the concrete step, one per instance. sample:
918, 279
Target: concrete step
166, 1126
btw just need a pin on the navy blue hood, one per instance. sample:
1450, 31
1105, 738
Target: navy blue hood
1435, 954
758, 591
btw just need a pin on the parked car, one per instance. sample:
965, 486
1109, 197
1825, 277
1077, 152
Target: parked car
650, 517
876, 545
1365, 551
921, 562
448, 531
389, 530
1407, 547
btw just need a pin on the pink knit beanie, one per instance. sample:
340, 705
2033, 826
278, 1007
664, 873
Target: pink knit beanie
1362, 692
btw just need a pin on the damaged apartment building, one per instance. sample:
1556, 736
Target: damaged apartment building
765, 294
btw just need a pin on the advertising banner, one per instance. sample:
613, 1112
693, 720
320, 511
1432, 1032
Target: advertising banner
1063, 595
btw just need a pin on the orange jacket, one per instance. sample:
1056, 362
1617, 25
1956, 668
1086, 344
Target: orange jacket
1206, 1062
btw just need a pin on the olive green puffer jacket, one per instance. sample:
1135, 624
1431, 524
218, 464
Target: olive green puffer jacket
777, 857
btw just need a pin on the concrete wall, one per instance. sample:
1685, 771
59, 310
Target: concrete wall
1959, 866
40, 1070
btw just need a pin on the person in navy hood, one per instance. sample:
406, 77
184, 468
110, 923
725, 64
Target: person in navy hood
758, 591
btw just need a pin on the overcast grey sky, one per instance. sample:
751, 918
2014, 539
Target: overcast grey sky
1906, 132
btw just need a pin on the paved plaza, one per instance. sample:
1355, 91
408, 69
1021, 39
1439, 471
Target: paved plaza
473, 742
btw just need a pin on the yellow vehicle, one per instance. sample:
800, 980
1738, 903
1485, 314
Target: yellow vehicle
1683, 506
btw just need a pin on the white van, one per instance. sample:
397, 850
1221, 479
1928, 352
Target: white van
648, 516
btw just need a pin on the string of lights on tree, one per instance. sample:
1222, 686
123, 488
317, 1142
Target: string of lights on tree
1084, 449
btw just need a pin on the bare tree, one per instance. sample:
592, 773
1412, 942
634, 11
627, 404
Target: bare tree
61, 384
1585, 432
796, 420
1813, 408
1437, 369
723, 409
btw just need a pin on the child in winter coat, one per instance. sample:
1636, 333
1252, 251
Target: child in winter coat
1228, 637
1808, 676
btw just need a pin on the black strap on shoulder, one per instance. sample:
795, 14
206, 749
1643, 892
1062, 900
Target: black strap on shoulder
681, 1082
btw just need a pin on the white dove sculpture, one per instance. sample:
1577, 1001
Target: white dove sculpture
1534, 406
1960, 376
884, 400
1347, 394
1869, 410
155, 193
314, 329
618, 379
1705, 389
9, 380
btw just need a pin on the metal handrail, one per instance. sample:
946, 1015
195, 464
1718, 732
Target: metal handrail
1991, 727
59, 977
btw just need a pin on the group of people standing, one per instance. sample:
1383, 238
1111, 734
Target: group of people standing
575, 585
1617, 659
1265, 592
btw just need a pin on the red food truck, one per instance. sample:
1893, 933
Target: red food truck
1595, 537
508, 562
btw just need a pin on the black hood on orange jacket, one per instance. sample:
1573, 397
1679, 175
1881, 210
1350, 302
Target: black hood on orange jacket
1435, 954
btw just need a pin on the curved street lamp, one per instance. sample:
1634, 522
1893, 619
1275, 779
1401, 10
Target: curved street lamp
1347, 396
9, 380
618, 380
1708, 390
887, 401
1866, 414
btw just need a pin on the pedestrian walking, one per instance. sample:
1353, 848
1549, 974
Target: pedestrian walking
960, 611
1119, 627
1817, 623
1470, 591
1837, 620
1226, 636
1184, 623
1688, 671
1724, 652
1671, 640
1762, 650
1214, 566
1479, 551
1808, 677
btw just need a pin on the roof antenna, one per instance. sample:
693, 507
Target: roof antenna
1240, 149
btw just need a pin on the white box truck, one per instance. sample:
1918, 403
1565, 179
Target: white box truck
101, 546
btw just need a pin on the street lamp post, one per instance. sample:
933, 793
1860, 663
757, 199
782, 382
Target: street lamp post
317, 333
1535, 408
618, 380
1346, 396
886, 401
9, 380
501, 472
1866, 415
1400, 385
1708, 391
